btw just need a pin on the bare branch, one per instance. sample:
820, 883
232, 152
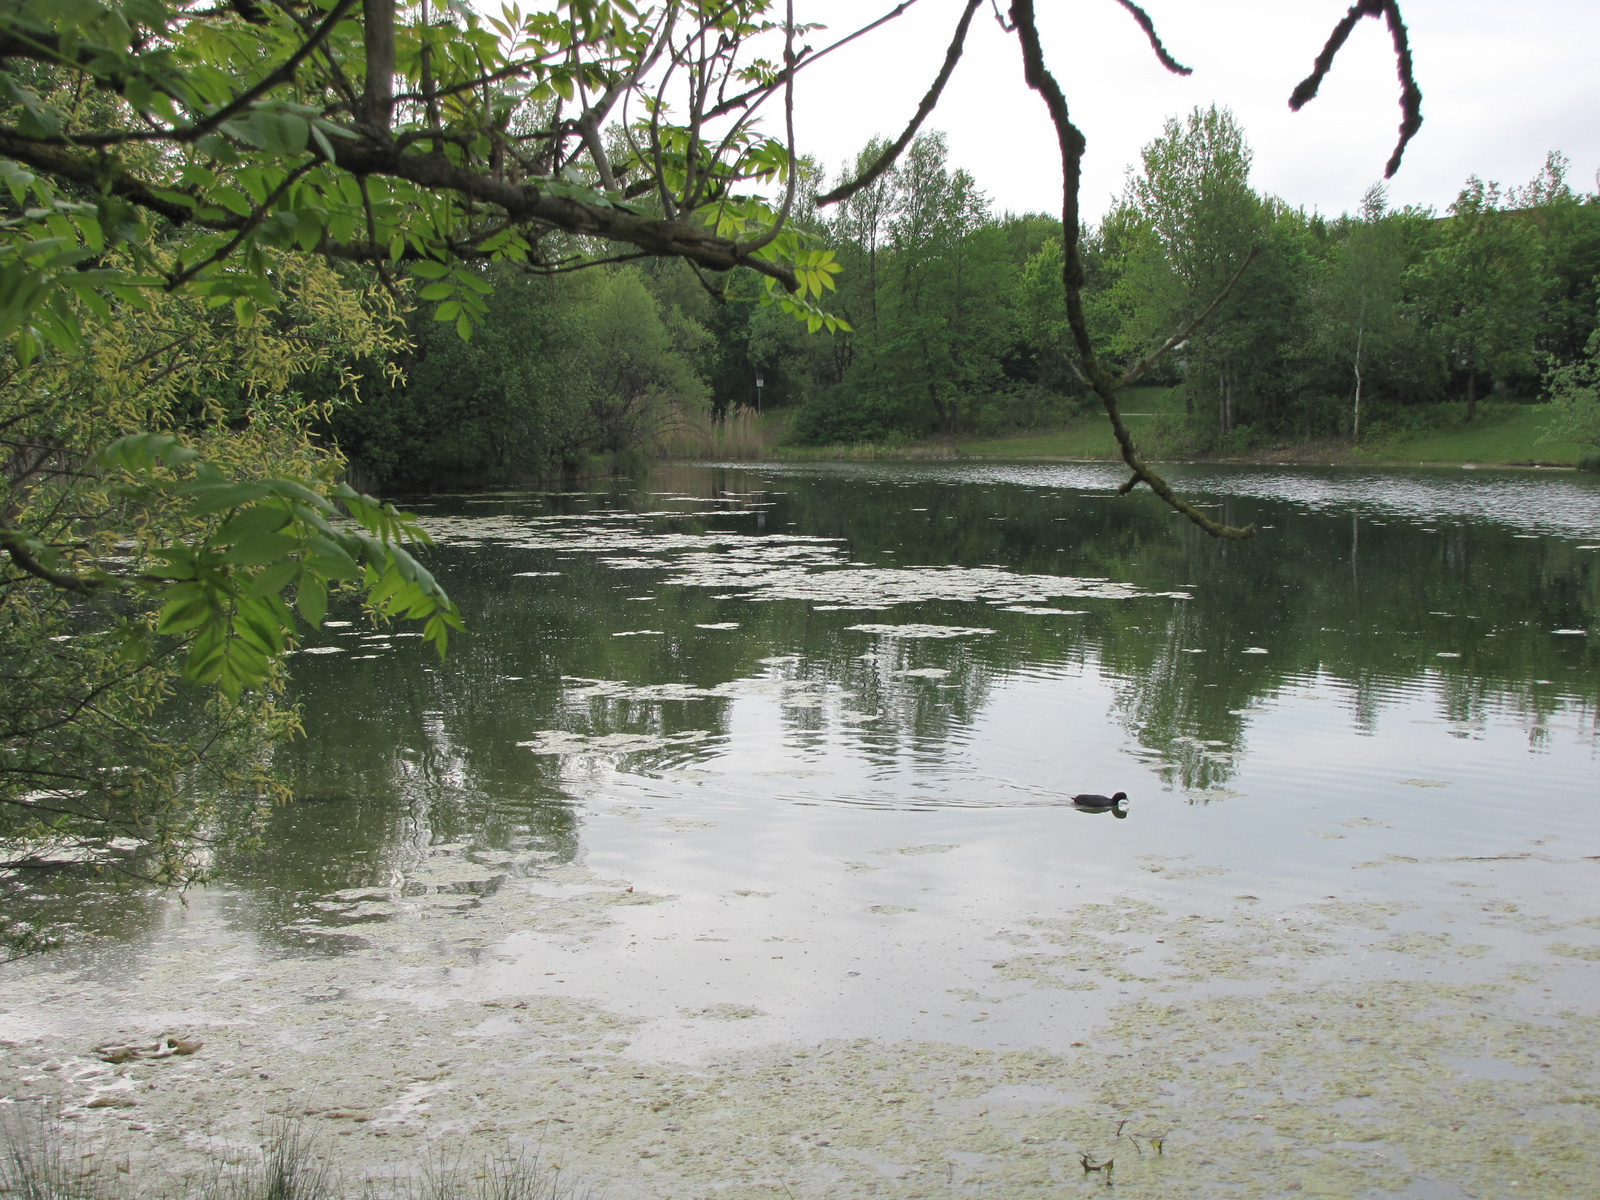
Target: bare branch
1410, 93
1149, 27
1072, 144
788, 116
803, 60
1134, 373
886, 160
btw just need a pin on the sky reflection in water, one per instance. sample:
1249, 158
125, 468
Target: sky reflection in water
752, 646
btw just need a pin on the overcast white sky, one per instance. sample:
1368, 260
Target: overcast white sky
1503, 82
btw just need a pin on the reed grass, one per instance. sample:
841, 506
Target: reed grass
42, 1160
743, 435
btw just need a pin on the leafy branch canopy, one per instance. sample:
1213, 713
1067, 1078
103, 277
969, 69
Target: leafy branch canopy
152, 146
387, 132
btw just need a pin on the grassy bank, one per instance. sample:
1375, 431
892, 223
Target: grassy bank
1508, 437
1089, 437
1503, 434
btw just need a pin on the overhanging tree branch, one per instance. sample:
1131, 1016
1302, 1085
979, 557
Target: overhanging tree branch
1149, 27
16, 544
1137, 371
523, 203
887, 159
1072, 144
1410, 93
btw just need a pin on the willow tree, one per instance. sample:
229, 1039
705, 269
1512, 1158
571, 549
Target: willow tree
107, 757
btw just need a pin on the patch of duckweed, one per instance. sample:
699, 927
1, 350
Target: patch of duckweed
915, 630
1363, 914
724, 1012
1586, 953
585, 745
773, 566
1274, 1072
1208, 795
1431, 945
917, 851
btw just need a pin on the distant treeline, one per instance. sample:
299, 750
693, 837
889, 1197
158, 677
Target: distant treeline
958, 323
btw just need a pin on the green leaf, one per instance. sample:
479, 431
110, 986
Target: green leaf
312, 600
275, 577
258, 549
180, 616
219, 497
254, 520
232, 199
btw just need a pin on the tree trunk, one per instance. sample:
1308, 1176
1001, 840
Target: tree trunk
1472, 393
378, 39
1355, 424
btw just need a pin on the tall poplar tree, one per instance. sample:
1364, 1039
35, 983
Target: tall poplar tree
1359, 290
1193, 193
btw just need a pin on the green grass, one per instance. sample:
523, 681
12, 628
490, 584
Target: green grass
1088, 438
1505, 435
1502, 434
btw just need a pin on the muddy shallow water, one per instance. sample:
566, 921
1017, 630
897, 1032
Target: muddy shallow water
732, 854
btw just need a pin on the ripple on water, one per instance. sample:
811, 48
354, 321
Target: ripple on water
1559, 503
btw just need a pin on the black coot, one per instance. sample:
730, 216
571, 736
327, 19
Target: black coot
1116, 805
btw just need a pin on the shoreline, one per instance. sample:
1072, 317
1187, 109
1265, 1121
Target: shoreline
1304, 454
1451, 1029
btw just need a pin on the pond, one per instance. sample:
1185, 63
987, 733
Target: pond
733, 851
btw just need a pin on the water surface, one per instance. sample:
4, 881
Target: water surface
733, 848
